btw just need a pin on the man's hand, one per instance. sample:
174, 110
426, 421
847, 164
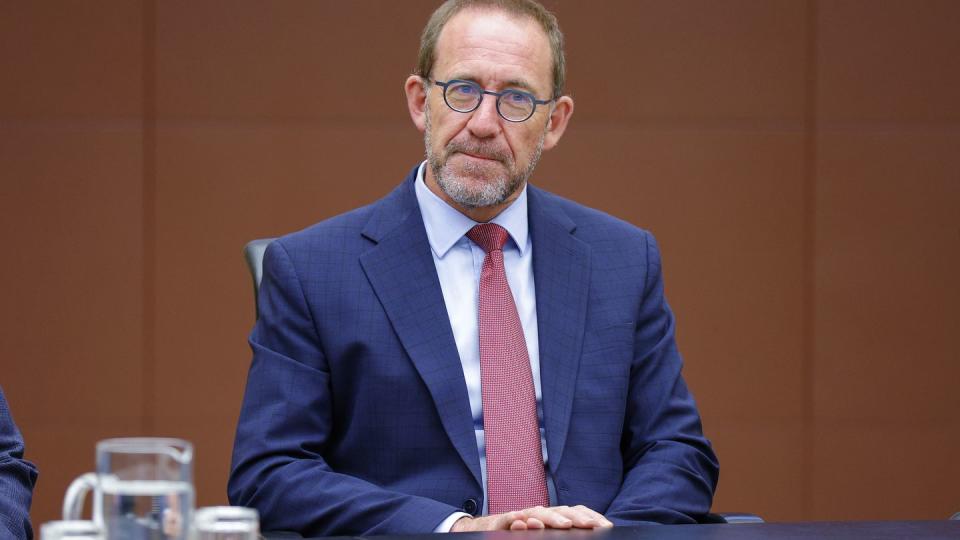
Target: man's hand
538, 517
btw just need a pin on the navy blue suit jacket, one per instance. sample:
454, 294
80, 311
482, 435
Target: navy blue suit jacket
356, 418
17, 478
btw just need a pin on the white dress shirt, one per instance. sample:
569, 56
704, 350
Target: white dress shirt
459, 261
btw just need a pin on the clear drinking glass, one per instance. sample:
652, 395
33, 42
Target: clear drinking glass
143, 488
70, 530
226, 523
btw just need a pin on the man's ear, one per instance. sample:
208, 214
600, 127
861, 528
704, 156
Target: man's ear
416, 101
557, 124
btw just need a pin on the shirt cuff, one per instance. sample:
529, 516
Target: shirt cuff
445, 525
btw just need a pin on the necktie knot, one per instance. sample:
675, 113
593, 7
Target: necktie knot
489, 236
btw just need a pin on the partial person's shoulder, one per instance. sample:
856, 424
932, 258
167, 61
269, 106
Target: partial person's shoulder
330, 231
355, 230
592, 225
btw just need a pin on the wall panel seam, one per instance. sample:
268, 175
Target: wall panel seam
148, 226
809, 260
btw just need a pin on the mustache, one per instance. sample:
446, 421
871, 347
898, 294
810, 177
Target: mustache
484, 150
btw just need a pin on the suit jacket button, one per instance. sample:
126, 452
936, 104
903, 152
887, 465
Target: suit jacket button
471, 507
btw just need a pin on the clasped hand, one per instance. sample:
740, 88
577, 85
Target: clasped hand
538, 517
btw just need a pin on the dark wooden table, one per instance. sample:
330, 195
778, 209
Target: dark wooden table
876, 530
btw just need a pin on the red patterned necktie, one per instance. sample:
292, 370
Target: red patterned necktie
515, 475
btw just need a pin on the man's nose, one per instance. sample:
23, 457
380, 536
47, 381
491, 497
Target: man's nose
485, 120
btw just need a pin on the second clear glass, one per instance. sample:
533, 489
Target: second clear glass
226, 523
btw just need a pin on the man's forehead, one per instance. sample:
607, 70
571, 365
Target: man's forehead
517, 45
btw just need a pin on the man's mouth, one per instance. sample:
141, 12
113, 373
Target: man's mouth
479, 156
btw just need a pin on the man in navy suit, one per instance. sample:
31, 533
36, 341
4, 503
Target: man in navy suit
17, 478
364, 408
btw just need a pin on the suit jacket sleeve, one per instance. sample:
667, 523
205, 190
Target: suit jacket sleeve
670, 470
17, 478
287, 423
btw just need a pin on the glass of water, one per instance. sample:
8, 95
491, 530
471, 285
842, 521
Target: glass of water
142, 489
226, 523
70, 530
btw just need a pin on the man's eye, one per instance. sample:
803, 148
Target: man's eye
465, 89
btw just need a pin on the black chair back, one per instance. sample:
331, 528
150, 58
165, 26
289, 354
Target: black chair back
253, 253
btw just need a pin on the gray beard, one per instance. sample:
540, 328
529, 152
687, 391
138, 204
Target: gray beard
490, 193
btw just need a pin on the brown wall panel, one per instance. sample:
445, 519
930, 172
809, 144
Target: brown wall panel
269, 178
296, 61
882, 469
70, 216
77, 60
889, 61
887, 322
687, 61
71, 364
888, 258
887, 234
762, 464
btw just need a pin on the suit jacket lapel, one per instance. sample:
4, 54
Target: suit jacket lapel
402, 273
561, 270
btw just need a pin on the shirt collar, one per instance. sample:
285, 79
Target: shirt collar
446, 225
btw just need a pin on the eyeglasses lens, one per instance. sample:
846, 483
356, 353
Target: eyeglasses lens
515, 106
463, 97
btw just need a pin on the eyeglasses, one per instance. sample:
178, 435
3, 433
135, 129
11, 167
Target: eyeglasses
512, 105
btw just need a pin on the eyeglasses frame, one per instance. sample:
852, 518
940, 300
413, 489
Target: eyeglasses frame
498, 95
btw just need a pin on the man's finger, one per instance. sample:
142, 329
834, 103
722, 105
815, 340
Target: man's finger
581, 516
534, 523
548, 517
566, 517
587, 517
518, 525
